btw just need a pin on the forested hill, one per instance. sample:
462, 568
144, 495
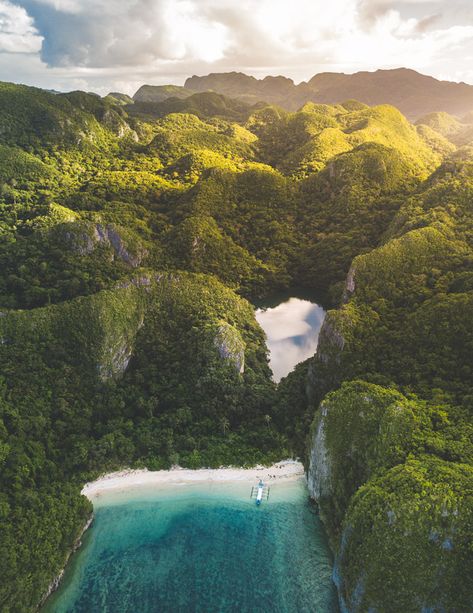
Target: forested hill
133, 234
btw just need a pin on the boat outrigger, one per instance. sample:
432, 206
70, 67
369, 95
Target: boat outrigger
260, 492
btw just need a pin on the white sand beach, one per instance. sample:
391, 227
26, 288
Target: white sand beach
128, 479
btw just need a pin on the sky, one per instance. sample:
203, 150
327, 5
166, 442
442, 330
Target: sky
117, 45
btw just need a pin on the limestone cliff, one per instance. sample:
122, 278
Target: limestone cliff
399, 524
230, 345
85, 237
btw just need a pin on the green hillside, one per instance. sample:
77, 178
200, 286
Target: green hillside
131, 238
457, 131
204, 105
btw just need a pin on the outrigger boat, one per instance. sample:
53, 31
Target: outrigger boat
260, 492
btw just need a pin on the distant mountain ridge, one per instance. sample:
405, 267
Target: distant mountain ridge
159, 93
414, 94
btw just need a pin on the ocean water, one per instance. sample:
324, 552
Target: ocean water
292, 330
201, 548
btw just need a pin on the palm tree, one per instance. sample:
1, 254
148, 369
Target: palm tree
225, 425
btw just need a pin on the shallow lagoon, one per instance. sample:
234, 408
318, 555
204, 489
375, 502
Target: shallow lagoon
201, 548
292, 328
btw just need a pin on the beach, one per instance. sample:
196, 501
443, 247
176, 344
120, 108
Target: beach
128, 480
180, 539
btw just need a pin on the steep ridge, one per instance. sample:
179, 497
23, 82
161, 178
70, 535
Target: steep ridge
159, 93
379, 460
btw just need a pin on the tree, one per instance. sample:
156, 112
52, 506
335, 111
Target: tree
225, 425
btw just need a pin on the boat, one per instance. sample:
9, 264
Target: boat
260, 492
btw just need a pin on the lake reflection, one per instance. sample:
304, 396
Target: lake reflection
292, 330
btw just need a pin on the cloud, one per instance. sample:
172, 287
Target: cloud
424, 25
286, 320
129, 33
17, 31
292, 331
106, 43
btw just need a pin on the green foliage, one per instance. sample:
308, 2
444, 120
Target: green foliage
34, 118
199, 245
385, 125
40, 526
368, 429
139, 375
118, 98
303, 142
405, 322
395, 490
203, 105
113, 364
158, 93
178, 134
441, 122
435, 141
292, 414
351, 155
407, 540
457, 132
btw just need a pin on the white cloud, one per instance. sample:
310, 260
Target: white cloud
292, 331
286, 320
127, 42
17, 31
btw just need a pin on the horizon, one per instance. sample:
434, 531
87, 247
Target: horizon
259, 78
96, 46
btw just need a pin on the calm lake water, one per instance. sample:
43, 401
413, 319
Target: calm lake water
202, 549
292, 329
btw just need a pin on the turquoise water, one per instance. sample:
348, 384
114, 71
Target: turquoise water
201, 548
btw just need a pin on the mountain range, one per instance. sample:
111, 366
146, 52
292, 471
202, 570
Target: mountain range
414, 94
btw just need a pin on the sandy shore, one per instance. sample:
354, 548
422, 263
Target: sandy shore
130, 479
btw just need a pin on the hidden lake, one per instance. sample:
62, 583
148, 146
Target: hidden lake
292, 324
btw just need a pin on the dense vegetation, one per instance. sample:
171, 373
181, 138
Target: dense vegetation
406, 324
131, 235
397, 471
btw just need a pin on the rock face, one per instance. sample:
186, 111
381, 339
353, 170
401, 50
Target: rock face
331, 340
399, 524
230, 345
116, 353
358, 430
57, 580
324, 370
85, 238
350, 283
319, 476
110, 234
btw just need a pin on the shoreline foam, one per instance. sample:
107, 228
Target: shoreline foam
130, 479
